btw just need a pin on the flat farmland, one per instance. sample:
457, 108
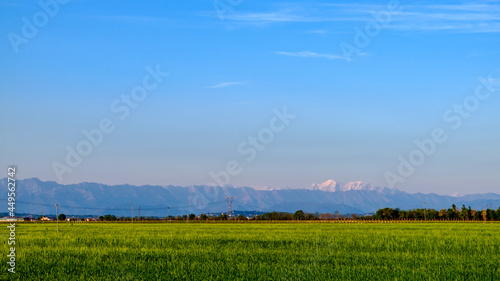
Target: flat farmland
255, 251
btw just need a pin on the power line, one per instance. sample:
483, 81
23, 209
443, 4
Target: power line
229, 201
108, 208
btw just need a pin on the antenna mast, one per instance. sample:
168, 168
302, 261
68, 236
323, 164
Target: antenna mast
229, 200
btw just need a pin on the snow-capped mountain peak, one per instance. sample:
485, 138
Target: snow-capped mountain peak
329, 185
333, 186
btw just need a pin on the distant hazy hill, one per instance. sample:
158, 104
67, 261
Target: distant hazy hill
35, 196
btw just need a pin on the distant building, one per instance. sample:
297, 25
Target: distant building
47, 218
11, 219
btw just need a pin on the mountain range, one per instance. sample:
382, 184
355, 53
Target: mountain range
39, 197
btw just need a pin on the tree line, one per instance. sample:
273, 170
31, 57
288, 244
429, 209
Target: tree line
453, 213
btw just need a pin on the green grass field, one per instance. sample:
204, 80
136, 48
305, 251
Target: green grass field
255, 251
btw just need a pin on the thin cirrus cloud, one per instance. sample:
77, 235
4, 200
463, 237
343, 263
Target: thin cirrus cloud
271, 17
223, 85
308, 54
473, 17
264, 19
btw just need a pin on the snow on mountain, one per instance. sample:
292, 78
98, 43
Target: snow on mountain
329, 185
268, 188
333, 186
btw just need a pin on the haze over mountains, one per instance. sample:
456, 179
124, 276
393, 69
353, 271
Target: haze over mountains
36, 196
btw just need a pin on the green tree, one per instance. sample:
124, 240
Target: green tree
402, 215
443, 214
432, 214
192, 217
110, 218
474, 214
309, 216
450, 214
463, 213
491, 214
388, 214
299, 215
62, 217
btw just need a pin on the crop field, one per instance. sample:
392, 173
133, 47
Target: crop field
255, 251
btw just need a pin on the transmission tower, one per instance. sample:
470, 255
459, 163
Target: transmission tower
229, 200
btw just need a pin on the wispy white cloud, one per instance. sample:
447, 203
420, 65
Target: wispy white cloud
224, 84
473, 17
308, 54
288, 17
281, 16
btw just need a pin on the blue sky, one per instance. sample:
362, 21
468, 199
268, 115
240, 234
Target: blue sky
231, 65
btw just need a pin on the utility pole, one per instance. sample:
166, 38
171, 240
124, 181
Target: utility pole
229, 200
168, 214
139, 212
132, 211
57, 218
425, 213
